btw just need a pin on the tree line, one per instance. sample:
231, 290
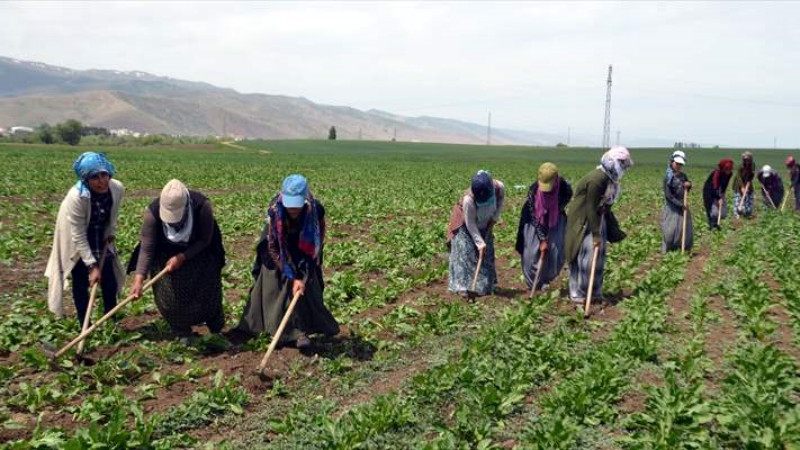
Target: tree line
73, 132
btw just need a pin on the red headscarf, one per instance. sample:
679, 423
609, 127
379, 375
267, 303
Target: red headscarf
725, 164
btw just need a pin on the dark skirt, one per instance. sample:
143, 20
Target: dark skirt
554, 258
269, 299
192, 295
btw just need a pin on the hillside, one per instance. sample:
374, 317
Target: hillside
32, 93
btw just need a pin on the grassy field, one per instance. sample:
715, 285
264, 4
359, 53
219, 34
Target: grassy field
694, 351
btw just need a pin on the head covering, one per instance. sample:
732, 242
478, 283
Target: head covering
614, 163
723, 165
310, 240
790, 161
294, 191
546, 201
88, 165
173, 201
747, 155
677, 156
548, 173
482, 187
767, 170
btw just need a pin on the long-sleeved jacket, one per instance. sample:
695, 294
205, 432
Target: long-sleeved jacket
70, 243
205, 236
712, 193
673, 191
585, 210
741, 179
774, 187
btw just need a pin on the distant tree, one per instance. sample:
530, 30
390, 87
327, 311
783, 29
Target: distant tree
332, 134
44, 134
70, 131
561, 145
95, 131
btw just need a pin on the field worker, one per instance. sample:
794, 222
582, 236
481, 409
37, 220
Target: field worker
771, 187
542, 225
794, 180
85, 226
743, 187
591, 223
470, 236
714, 192
675, 183
289, 260
179, 232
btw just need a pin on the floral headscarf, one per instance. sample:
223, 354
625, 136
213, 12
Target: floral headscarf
614, 163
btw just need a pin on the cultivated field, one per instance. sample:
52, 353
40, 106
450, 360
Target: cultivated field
695, 351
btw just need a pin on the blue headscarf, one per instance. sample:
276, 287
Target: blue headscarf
86, 166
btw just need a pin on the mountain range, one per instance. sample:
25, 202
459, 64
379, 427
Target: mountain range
32, 93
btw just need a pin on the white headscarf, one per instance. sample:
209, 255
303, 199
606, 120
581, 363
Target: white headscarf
614, 163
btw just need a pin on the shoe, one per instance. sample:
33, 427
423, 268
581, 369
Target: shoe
303, 342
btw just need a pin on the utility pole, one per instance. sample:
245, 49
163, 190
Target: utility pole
617, 137
359, 133
607, 122
394, 136
489, 131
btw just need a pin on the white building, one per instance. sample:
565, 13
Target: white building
21, 130
124, 132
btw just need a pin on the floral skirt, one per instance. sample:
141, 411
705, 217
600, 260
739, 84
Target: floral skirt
464, 260
746, 209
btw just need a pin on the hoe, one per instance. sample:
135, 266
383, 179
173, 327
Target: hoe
261, 370
49, 349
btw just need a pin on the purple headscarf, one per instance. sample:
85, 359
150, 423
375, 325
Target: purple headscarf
546, 204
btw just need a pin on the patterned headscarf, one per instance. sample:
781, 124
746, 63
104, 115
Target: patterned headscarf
310, 242
614, 163
86, 166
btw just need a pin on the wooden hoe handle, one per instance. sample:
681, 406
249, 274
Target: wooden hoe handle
279, 332
107, 316
538, 273
683, 230
88, 317
477, 271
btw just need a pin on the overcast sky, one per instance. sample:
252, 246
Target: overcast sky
725, 72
